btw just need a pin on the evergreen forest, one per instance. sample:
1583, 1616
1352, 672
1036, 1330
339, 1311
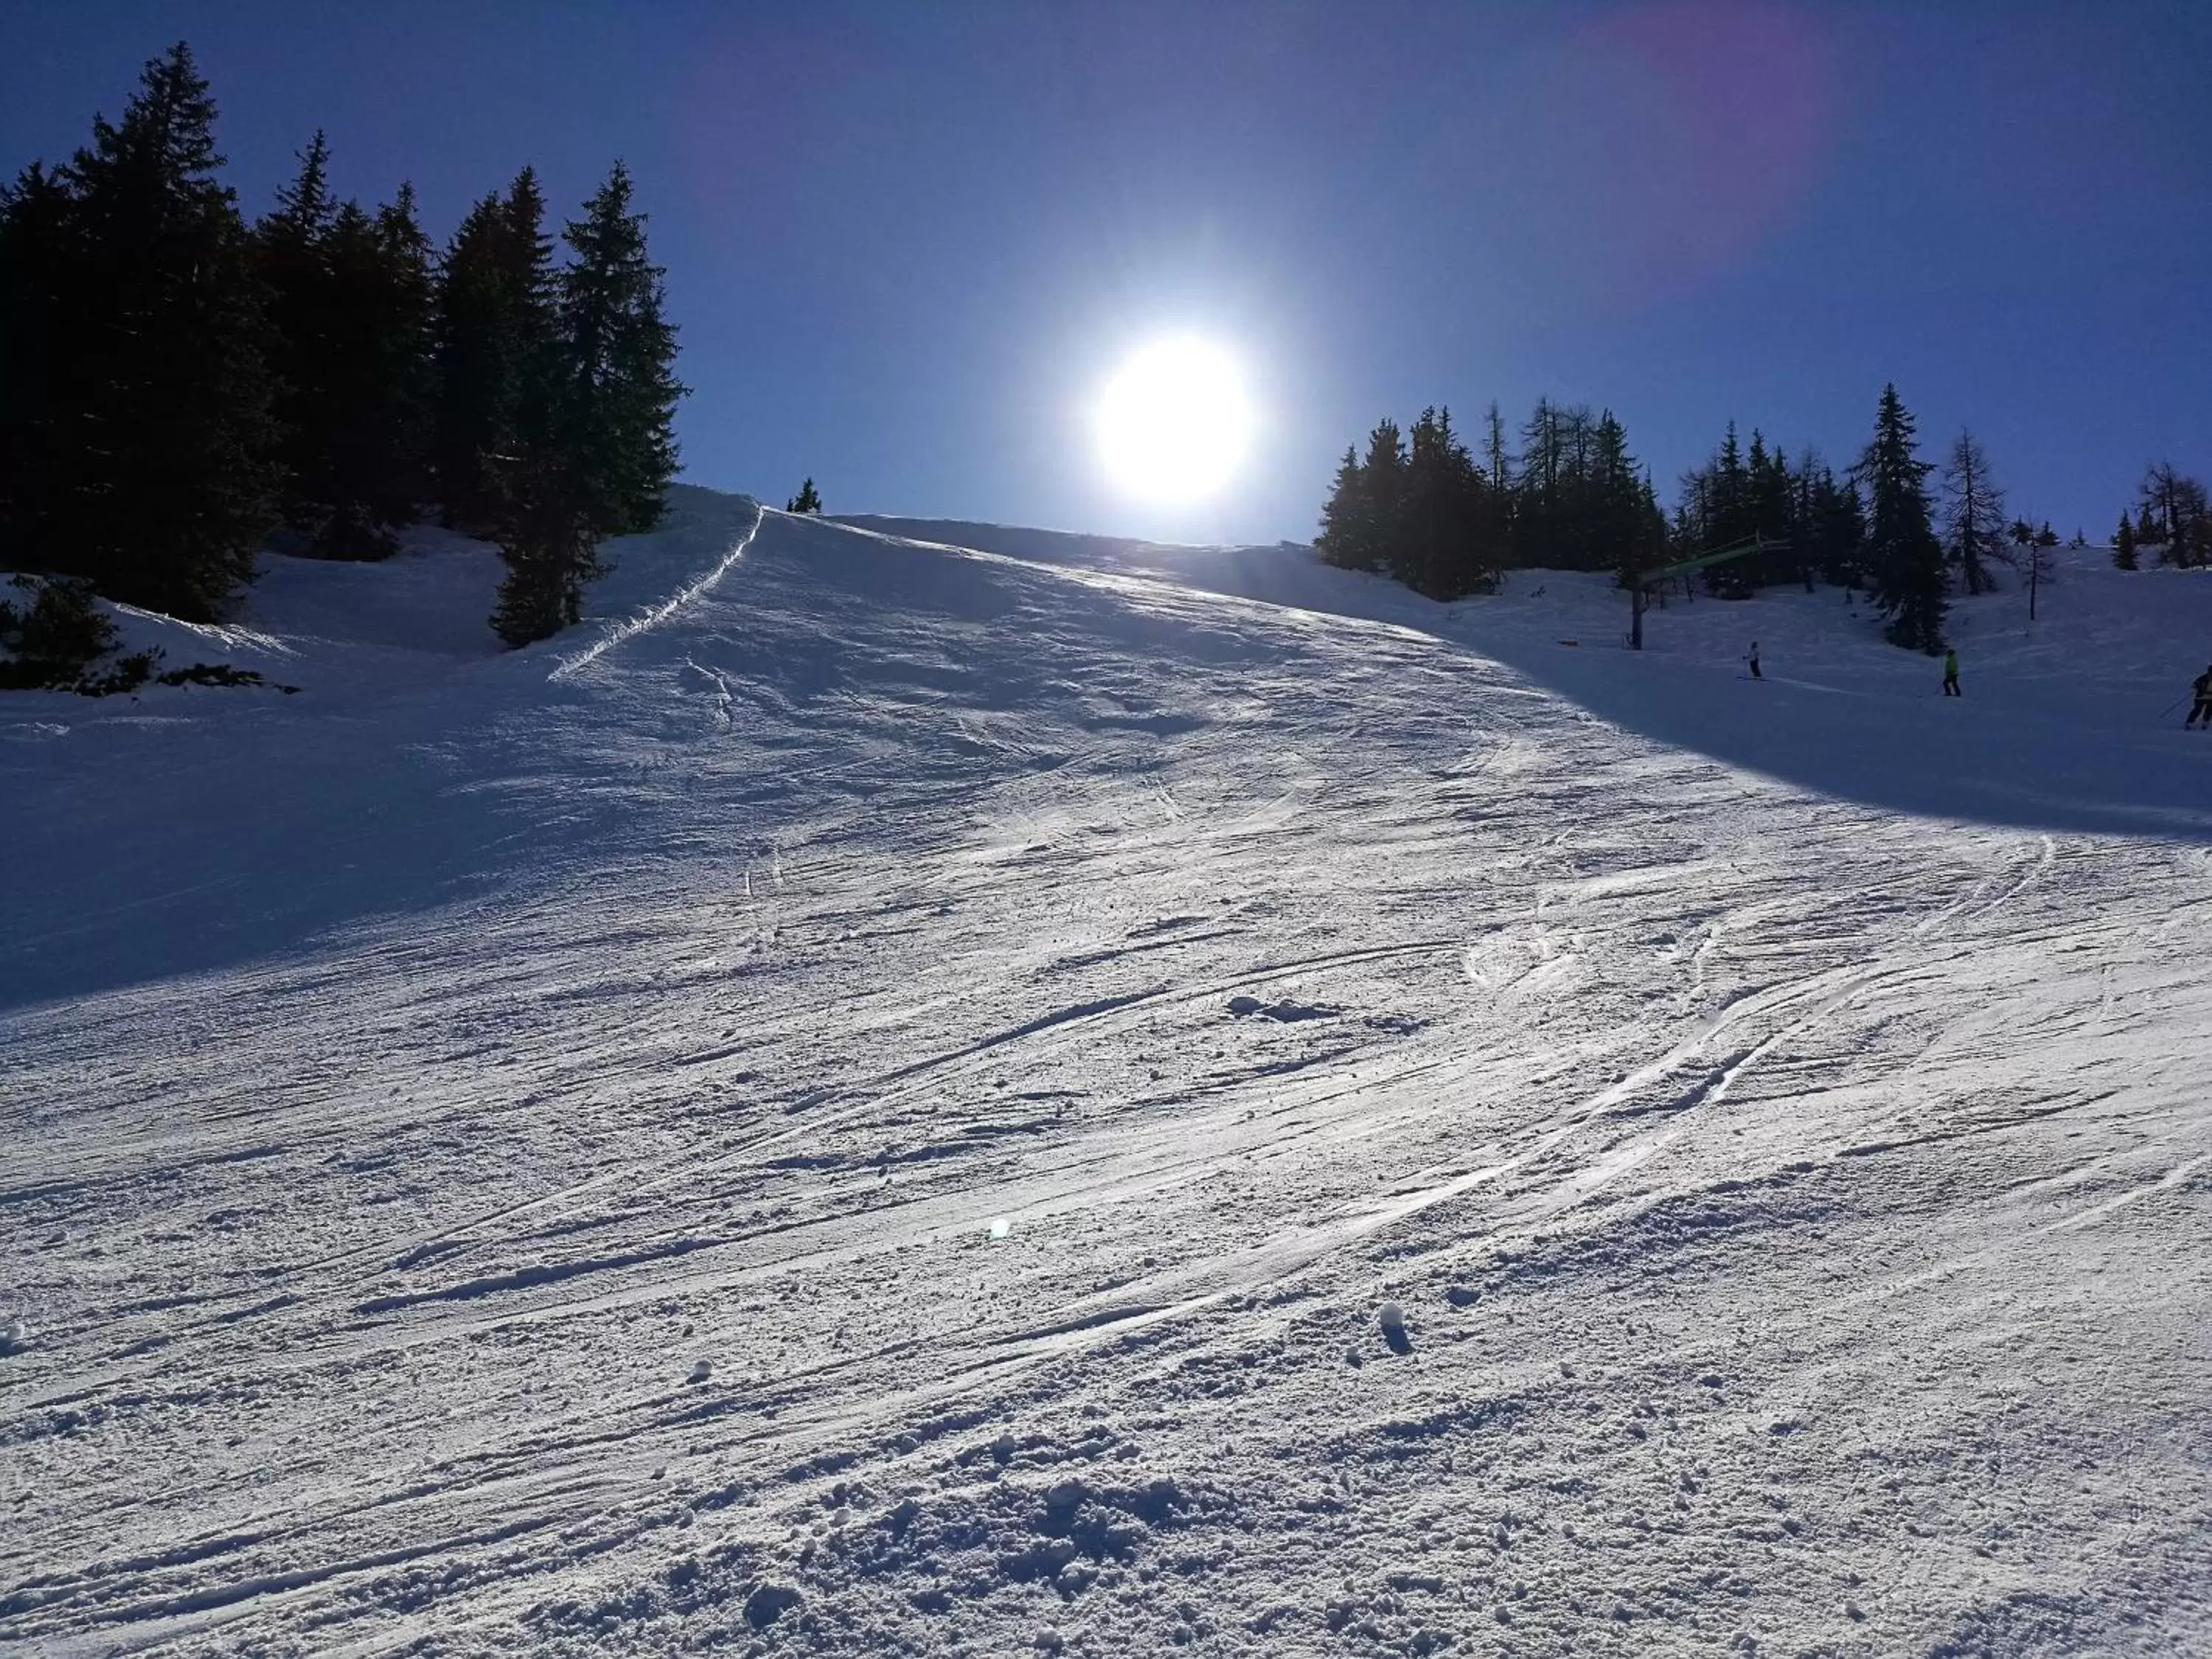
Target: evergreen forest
1448, 516
181, 387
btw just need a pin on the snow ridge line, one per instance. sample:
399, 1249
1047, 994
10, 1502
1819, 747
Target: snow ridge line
624, 631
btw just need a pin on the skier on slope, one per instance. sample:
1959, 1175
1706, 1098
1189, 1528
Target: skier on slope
1951, 674
2201, 708
1754, 660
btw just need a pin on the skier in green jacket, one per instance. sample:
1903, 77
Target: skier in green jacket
1951, 675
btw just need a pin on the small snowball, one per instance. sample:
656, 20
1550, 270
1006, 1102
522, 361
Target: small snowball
701, 1371
1390, 1316
1000, 1226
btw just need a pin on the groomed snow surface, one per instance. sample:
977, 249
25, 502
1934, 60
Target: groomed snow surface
882, 1097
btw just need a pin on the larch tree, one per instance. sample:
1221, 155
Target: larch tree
1497, 460
2174, 513
1973, 514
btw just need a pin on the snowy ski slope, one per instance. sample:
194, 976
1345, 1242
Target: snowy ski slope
868, 1102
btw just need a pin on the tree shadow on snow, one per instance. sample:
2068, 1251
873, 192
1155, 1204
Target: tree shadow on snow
1978, 758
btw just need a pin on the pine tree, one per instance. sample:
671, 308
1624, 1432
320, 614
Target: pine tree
350, 296
597, 442
38, 260
1770, 489
1805, 514
1426, 515
407, 381
1773, 513
1755, 491
1903, 559
545, 529
619, 354
808, 499
1838, 531
1720, 506
369, 477
1732, 519
493, 320
1346, 539
1622, 505
292, 254
1973, 514
1438, 551
164, 482
1382, 480
473, 418
2123, 545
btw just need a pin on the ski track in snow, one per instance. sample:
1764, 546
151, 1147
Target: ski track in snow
1797, 1204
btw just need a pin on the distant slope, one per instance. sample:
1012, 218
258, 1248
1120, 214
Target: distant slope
1282, 572
2069, 722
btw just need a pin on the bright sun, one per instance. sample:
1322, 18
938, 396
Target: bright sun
1174, 422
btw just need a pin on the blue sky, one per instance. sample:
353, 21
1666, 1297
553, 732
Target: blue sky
906, 242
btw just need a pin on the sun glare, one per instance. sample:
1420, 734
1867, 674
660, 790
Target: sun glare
1174, 421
